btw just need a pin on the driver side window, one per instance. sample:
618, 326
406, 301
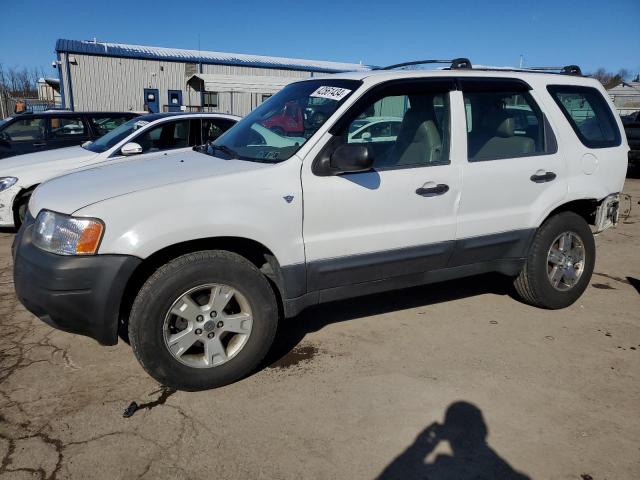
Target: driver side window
167, 136
404, 130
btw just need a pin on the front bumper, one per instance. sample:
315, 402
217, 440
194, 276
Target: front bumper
76, 294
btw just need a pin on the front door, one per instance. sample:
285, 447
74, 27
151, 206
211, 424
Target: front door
175, 100
513, 172
151, 100
399, 218
23, 135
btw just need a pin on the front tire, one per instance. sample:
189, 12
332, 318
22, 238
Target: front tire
560, 263
203, 320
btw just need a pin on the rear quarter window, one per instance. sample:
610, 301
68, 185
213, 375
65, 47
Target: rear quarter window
589, 115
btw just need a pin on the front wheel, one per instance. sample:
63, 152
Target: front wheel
560, 263
203, 320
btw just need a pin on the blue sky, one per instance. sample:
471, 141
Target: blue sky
589, 33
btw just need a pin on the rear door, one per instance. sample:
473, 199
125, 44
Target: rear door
67, 131
513, 172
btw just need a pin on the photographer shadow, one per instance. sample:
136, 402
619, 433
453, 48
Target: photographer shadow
472, 458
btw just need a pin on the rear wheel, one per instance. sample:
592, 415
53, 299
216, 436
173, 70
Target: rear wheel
203, 320
560, 262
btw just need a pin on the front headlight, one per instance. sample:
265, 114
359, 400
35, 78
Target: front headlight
6, 182
65, 235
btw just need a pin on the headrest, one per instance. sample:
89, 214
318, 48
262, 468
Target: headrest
506, 127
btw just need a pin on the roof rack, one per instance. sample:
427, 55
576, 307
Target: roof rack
456, 63
566, 70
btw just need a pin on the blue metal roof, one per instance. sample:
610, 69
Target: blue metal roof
215, 58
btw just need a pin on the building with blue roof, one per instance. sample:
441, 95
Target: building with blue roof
112, 76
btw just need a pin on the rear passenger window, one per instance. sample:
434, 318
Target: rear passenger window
503, 124
63, 127
588, 114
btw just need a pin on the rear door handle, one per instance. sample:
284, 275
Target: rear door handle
427, 190
541, 176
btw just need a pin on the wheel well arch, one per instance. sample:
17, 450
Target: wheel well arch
585, 207
19, 196
257, 253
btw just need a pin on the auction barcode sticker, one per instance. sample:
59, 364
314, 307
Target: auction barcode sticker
332, 93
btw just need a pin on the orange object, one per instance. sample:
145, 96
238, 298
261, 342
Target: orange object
90, 239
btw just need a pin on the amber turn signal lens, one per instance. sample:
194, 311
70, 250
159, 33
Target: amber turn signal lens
90, 239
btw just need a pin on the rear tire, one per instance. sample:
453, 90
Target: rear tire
202, 277
553, 278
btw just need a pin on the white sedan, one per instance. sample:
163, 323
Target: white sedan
148, 135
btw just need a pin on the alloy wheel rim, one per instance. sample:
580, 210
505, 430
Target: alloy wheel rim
565, 261
207, 325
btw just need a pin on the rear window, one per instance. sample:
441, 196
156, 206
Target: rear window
589, 115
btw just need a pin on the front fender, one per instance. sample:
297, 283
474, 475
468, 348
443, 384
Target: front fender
144, 222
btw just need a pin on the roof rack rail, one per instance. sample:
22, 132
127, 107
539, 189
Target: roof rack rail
456, 63
566, 70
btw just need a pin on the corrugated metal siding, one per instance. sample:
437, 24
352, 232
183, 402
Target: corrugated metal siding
110, 83
105, 83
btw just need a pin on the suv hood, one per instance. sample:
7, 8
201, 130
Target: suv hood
76, 190
58, 158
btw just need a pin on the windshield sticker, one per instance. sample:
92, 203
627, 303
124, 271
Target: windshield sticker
140, 123
332, 93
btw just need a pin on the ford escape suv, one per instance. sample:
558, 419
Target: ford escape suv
194, 256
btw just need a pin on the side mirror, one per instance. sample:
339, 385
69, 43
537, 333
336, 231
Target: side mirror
351, 158
131, 148
4, 137
366, 136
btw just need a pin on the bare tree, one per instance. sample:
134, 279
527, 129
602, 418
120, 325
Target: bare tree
609, 79
20, 82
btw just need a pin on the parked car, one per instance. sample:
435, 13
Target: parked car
145, 136
632, 130
287, 120
36, 132
376, 129
195, 256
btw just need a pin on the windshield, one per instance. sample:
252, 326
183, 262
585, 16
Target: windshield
277, 129
116, 135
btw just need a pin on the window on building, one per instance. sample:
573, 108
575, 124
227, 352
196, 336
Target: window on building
27, 129
589, 115
60, 127
210, 99
266, 96
503, 124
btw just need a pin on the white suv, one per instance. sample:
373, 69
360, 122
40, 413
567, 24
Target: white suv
195, 256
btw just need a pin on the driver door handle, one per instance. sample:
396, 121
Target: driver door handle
542, 176
430, 189
41, 144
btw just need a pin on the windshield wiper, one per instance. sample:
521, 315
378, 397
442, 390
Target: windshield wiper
223, 148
